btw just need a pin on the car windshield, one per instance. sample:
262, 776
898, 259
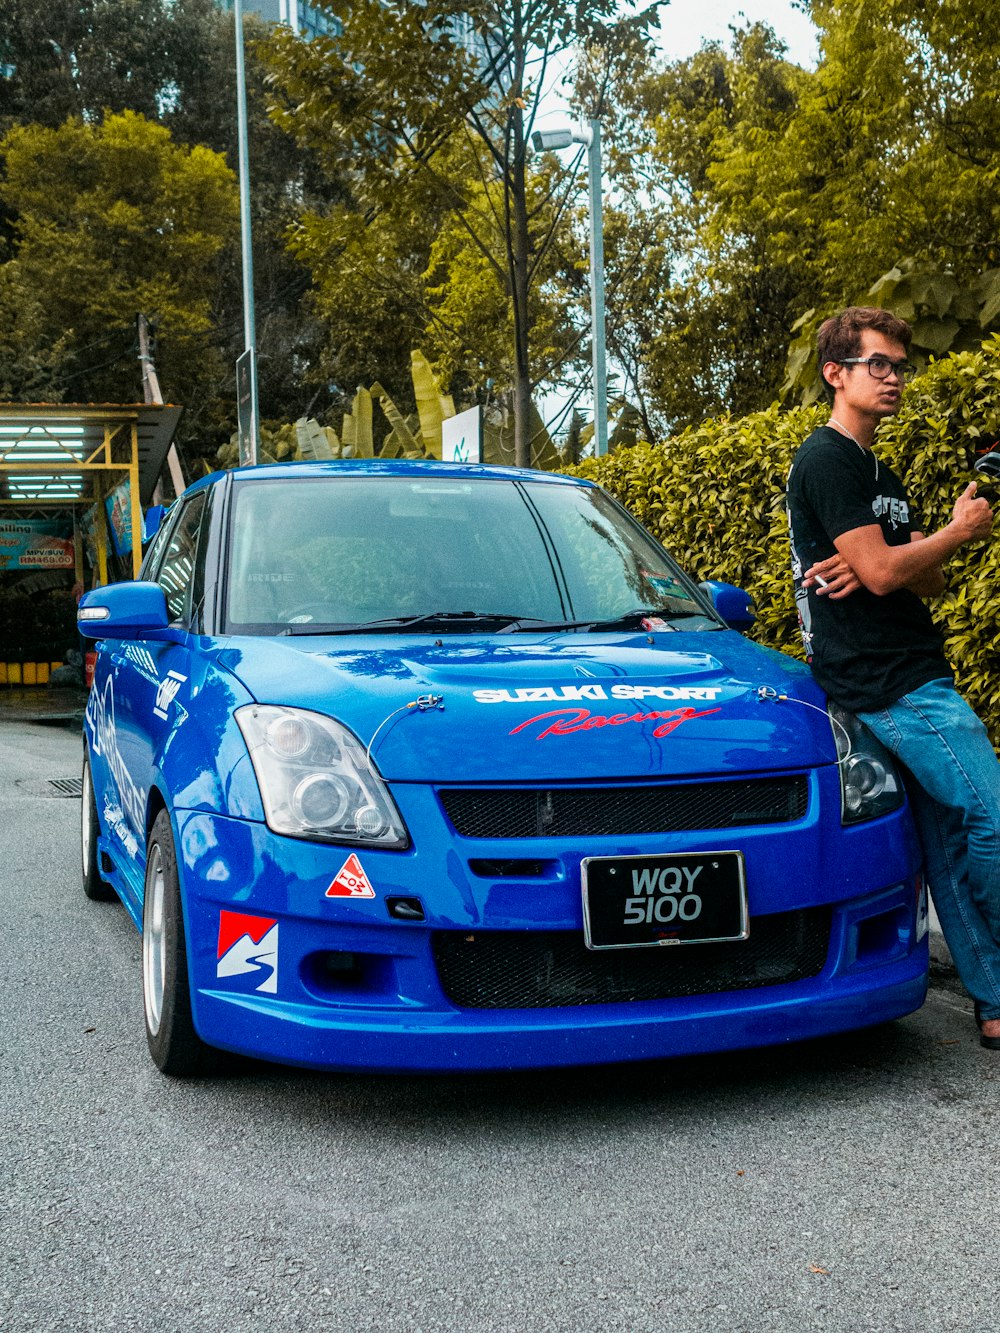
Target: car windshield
452, 554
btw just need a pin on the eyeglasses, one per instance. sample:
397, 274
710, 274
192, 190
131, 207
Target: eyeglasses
880, 367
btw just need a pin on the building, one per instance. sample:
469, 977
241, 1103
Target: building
303, 18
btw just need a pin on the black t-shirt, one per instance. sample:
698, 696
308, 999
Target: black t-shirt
865, 651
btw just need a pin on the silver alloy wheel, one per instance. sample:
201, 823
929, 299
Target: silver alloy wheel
153, 942
86, 825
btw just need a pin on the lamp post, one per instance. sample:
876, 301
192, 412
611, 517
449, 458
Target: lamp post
590, 136
247, 363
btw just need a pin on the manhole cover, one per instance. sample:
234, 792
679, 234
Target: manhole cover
51, 786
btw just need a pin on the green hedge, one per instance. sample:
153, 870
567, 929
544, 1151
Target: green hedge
714, 496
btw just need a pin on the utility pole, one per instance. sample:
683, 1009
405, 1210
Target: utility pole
151, 394
597, 288
246, 366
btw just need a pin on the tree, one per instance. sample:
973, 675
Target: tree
775, 195
65, 58
175, 65
705, 298
111, 219
444, 94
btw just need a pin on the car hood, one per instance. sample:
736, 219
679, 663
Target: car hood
551, 708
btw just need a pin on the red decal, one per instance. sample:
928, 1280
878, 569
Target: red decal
234, 925
351, 881
581, 719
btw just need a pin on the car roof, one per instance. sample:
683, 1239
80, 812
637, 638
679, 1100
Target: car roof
385, 467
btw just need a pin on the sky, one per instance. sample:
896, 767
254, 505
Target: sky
687, 23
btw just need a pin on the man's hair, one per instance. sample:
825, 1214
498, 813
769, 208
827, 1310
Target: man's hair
840, 336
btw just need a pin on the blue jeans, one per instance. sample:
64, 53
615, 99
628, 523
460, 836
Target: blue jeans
955, 797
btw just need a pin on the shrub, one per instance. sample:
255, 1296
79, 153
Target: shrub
714, 495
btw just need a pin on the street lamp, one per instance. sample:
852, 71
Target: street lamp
590, 136
246, 366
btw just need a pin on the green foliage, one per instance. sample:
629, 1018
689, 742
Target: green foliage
431, 108
714, 495
110, 220
777, 193
65, 58
174, 64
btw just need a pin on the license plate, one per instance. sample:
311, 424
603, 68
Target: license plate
637, 902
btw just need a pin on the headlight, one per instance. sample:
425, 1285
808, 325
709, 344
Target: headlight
870, 784
315, 781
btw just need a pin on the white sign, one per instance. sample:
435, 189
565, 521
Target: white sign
461, 437
246, 406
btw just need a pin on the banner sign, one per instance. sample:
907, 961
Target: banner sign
36, 543
118, 507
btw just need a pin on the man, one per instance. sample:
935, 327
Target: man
862, 567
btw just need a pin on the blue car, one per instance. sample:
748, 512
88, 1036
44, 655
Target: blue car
423, 766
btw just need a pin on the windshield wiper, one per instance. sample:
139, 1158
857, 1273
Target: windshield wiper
630, 620
502, 622
450, 620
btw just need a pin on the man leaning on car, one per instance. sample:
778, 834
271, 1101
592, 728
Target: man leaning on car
863, 568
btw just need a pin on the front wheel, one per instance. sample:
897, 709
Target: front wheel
94, 885
174, 1044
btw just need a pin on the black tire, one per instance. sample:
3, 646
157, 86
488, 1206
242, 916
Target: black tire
96, 888
174, 1044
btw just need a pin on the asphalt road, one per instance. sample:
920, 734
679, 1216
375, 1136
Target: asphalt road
848, 1184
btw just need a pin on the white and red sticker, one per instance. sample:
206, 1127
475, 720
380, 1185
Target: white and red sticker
248, 944
595, 693
351, 881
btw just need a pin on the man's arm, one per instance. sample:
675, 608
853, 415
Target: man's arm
931, 582
884, 569
840, 580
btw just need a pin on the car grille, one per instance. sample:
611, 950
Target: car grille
553, 969
574, 812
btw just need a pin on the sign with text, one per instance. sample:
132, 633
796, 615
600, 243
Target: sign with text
36, 544
462, 436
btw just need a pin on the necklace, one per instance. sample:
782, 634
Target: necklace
843, 429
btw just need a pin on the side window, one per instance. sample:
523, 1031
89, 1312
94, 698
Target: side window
176, 573
157, 546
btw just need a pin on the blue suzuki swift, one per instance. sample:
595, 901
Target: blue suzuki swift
422, 766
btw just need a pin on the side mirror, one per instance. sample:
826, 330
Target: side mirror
122, 611
734, 605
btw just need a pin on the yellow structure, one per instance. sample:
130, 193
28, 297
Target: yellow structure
59, 456
56, 458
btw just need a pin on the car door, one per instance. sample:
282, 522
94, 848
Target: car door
153, 675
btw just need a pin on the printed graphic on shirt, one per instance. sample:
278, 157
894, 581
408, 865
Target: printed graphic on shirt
801, 602
897, 511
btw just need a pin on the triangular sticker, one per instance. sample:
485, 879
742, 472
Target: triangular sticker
351, 882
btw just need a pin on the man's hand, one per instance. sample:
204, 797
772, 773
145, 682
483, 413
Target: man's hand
972, 515
839, 579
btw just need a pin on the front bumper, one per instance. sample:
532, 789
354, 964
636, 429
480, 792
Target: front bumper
281, 971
